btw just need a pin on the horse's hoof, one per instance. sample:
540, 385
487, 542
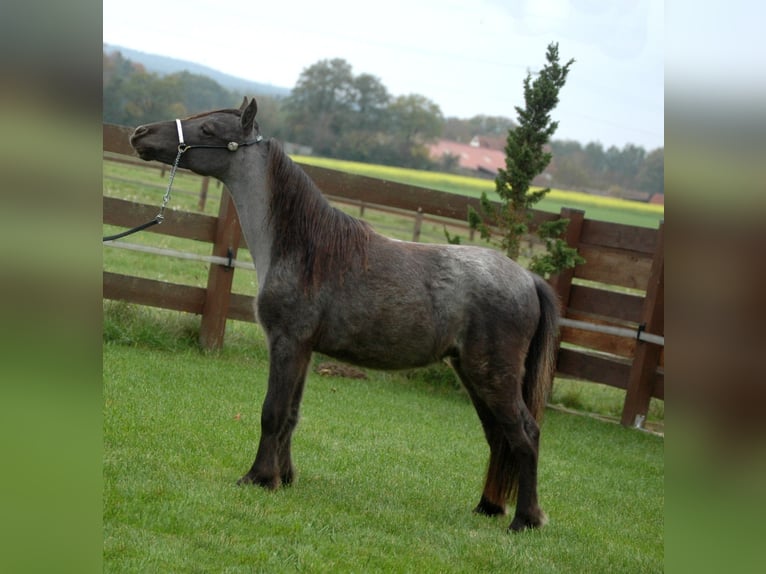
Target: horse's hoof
521, 522
268, 483
487, 508
288, 478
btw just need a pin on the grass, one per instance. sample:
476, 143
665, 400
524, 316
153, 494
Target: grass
389, 469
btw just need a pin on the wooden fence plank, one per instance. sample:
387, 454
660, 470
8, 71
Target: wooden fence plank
186, 298
604, 342
153, 293
116, 139
619, 236
177, 223
381, 192
620, 307
614, 266
407, 197
242, 308
610, 371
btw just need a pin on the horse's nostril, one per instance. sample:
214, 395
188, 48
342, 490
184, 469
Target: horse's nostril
140, 130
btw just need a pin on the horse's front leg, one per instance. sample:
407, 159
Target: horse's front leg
279, 416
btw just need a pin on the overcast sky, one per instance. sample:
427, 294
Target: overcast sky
468, 56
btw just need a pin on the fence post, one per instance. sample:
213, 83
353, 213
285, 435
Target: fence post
647, 355
562, 281
220, 277
418, 224
203, 193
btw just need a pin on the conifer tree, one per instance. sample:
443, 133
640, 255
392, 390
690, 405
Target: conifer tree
525, 159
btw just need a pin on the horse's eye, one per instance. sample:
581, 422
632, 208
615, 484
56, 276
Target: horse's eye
207, 129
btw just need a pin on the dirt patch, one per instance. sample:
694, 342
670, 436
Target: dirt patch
339, 370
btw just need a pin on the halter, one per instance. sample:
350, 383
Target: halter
182, 149
231, 146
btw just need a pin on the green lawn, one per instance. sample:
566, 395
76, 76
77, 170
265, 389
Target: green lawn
389, 469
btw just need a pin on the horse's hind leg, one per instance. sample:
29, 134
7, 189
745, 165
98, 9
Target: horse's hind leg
279, 416
517, 459
494, 496
513, 437
528, 512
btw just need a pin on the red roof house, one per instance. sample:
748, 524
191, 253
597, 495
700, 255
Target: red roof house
470, 157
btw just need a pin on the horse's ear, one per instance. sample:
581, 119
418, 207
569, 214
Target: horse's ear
243, 105
248, 115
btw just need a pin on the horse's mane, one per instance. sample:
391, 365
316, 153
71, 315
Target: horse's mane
326, 241
223, 110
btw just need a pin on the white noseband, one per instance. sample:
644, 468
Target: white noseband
180, 132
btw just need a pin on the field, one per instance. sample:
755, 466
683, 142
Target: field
389, 469
596, 207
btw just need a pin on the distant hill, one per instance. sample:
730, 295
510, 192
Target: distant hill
164, 65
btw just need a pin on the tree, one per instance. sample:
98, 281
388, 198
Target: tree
415, 118
595, 162
371, 99
570, 169
365, 118
354, 117
321, 103
412, 121
133, 96
651, 176
197, 93
525, 159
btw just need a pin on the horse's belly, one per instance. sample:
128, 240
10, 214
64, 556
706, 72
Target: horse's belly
389, 341
385, 359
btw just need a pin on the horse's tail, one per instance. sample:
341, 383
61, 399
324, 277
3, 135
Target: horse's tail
539, 365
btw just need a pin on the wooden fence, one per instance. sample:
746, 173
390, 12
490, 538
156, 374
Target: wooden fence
620, 285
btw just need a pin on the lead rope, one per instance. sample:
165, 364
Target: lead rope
160, 217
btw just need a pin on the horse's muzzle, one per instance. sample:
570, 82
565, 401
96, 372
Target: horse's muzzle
144, 151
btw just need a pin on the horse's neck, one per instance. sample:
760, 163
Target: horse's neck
251, 199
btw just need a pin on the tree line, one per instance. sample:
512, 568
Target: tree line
352, 116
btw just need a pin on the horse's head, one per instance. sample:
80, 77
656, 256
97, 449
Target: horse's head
207, 140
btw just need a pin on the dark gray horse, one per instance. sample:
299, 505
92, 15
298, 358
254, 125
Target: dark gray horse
329, 283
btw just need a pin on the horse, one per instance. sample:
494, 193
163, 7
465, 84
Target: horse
327, 282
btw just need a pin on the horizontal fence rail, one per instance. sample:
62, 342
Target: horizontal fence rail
225, 261
612, 329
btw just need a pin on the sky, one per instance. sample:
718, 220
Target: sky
468, 56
